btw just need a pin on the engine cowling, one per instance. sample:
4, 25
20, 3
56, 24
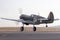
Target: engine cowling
26, 17
26, 23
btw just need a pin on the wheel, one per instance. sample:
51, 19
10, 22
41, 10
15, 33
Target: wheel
22, 28
34, 28
46, 25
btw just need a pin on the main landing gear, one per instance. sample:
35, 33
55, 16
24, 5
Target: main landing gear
22, 28
34, 28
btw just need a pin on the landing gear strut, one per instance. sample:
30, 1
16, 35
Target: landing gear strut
34, 28
22, 28
46, 25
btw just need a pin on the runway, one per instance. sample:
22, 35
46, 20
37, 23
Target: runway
29, 35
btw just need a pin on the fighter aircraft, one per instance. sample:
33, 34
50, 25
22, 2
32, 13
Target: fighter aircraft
34, 20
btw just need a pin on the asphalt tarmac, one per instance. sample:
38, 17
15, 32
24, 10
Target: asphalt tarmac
29, 35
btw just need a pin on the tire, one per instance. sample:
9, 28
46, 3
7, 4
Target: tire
22, 28
34, 28
46, 26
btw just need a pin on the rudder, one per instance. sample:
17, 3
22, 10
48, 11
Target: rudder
51, 17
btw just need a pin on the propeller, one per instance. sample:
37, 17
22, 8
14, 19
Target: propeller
38, 13
20, 11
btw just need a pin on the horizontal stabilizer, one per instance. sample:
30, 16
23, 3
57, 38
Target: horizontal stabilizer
56, 19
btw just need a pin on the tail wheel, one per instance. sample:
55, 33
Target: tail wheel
34, 28
22, 28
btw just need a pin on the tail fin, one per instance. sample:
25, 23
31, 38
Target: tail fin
51, 17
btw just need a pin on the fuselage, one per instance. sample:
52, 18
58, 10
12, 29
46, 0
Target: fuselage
31, 18
36, 19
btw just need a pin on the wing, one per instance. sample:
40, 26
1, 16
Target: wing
56, 19
21, 20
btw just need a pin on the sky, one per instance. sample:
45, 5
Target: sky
11, 9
